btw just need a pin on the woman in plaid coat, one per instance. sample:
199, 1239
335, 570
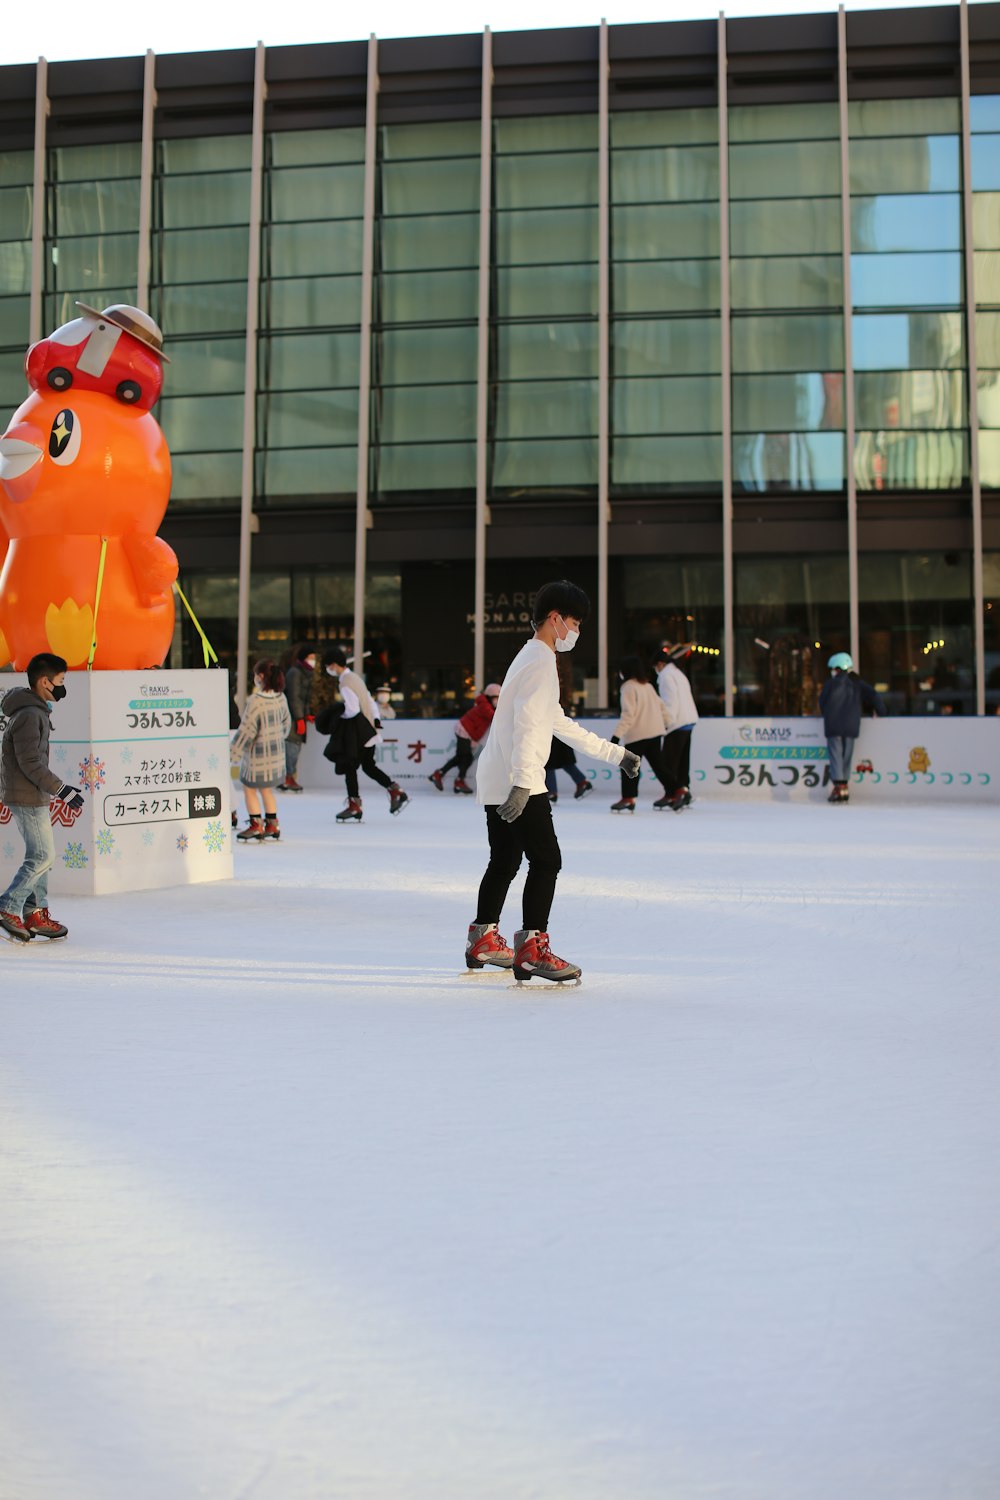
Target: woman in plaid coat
259, 746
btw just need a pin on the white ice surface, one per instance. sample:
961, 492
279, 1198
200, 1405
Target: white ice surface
292, 1211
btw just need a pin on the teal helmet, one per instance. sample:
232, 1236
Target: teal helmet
840, 662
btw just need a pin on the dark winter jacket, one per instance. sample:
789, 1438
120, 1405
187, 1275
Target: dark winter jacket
25, 778
478, 719
298, 684
348, 737
841, 702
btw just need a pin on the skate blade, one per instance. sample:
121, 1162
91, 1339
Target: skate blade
15, 942
484, 974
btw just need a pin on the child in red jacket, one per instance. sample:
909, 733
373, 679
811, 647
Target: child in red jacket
469, 730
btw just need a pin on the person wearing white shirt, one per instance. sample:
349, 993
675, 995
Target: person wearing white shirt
360, 746
680, 717
510, 784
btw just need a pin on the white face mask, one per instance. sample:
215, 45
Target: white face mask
569, 640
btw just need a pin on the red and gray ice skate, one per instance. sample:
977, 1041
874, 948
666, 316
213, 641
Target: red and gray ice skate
253, 833
397, 798
351, 811
840, 792
534, 959
624, 804
484, 945
14, 930
437, 779
462, 787
40, 924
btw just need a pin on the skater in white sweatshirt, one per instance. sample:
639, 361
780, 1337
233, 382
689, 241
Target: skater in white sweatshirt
510, 784
680, 716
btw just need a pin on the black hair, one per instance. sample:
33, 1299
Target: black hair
45, 664
302, 650
270, 674
564, 597
335, 657
632, 667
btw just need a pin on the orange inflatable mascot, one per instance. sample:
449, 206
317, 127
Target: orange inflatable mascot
84, 463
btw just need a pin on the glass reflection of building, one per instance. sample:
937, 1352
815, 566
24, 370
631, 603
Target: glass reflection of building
728, 509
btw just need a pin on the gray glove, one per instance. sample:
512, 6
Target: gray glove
72, 796
630, 763
517, 801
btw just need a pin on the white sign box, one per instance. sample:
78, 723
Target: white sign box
150, 751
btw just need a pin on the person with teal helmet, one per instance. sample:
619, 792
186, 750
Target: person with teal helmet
843, 699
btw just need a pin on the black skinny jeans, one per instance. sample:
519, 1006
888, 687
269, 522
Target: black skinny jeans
370, 769
650, 751
462, 758
532, 834
677, 759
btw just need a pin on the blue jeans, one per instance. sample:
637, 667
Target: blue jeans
29, 890
840, 750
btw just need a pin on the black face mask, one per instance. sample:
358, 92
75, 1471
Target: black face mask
58, 693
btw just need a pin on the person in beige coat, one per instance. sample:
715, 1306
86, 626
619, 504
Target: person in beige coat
259, 746
640, 728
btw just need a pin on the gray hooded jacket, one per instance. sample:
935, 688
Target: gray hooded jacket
25, 778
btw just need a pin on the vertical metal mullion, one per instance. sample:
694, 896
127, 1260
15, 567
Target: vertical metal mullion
854, 610
728, 651
146, 179
363, 515
603, 363
247, 517
483, 354
979, 634
38, 203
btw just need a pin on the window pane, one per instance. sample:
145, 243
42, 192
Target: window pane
314, 302
929, 280
910, 398
204, 424
989, 459
216, 153
984, 112
987, 340
427, 243
788, 403
220, 306
411, 356
788, 343
985, 162
291, 148
685, 405
664, 127
986, 221
15, 266
784, 122
14, 319
920, 164
309, 361
774, 226
546, 409
308, 471
308, 419
60, 307
428, 296
545, 181
901, 222
904, 116
96, 164
556, 236
205, 476
427, 412
545, 464
798, 169
427, 187
908, 341
205, 254
668, 346
776, 461
911, 460
988, 403
15, 213
908, 601
12, 386
93, 261
313, 249
664, 174
17, 168
94, 208
537, 291
540, 350
317, 193
663, 461
790, 613
788, 282
426, 466
206, 366
218, 198
670, 286
547, 133
662, 232
448, 138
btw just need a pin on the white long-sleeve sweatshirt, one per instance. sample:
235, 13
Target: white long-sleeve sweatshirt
644, 715
527, 716
678, 699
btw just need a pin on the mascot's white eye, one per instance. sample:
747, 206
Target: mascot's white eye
65, 437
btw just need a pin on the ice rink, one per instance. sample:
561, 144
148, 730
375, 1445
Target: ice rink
292, 1210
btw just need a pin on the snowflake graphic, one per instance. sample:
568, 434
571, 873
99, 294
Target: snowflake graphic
118, 854
147, 837
92, 772
61, 753
214, 837
212, 762
8, 850
182, 842
105, 841
126, 756
74, 858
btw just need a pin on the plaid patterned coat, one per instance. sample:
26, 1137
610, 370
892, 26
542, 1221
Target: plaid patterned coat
259, 743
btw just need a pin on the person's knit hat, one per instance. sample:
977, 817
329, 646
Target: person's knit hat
492, 690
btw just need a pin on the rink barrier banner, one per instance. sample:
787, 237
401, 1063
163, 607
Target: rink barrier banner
908, 760
151, 752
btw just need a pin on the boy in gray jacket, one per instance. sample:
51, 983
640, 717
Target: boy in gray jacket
27, 786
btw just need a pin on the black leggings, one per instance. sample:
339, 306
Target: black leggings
677, 759
370, 769
650, 750
532, 834
462, 758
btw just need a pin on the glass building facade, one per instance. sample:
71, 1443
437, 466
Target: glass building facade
704, 315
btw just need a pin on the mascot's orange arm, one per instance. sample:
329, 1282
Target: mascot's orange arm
4, 543
154, 565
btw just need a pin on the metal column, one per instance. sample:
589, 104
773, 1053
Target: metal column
146, 180
38, 203
247, 518
728, 650
483, 355
973, 367
603, 365
363, 514
845, 224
